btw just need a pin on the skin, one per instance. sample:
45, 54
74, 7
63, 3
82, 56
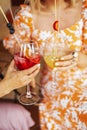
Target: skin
63, 13
15, 79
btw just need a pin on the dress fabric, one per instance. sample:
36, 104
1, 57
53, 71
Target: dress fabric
64, 107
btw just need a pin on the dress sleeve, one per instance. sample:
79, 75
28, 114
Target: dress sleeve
23, 25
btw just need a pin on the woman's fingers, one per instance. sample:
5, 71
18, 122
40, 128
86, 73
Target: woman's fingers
67, 61
67, 57
29, 76
32, 75
66, 67
70, 56
31, 70
11, 66
33, 82
10, 70
63, 63
24, 79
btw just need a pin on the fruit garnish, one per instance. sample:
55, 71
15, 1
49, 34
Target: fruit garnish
27, 51
55, 25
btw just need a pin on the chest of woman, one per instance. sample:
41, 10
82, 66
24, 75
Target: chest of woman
66, 17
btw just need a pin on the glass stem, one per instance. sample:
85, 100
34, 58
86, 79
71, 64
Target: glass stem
54, 78
28, 94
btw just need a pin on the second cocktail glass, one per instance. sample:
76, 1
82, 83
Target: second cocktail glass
53, 51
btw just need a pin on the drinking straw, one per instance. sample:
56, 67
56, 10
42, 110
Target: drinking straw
11, 13
4, 14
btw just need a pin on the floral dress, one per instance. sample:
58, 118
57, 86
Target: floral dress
64, 107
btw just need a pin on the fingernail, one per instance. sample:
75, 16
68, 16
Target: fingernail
75, 54
38, 65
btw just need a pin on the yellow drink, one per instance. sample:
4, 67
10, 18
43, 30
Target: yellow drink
50, 60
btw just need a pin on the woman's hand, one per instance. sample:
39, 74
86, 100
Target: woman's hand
20, 78
71, 60
67, 61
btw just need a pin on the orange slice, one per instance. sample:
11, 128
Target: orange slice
27, 52
55, 25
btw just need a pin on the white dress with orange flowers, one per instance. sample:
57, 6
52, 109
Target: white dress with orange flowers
65, 106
